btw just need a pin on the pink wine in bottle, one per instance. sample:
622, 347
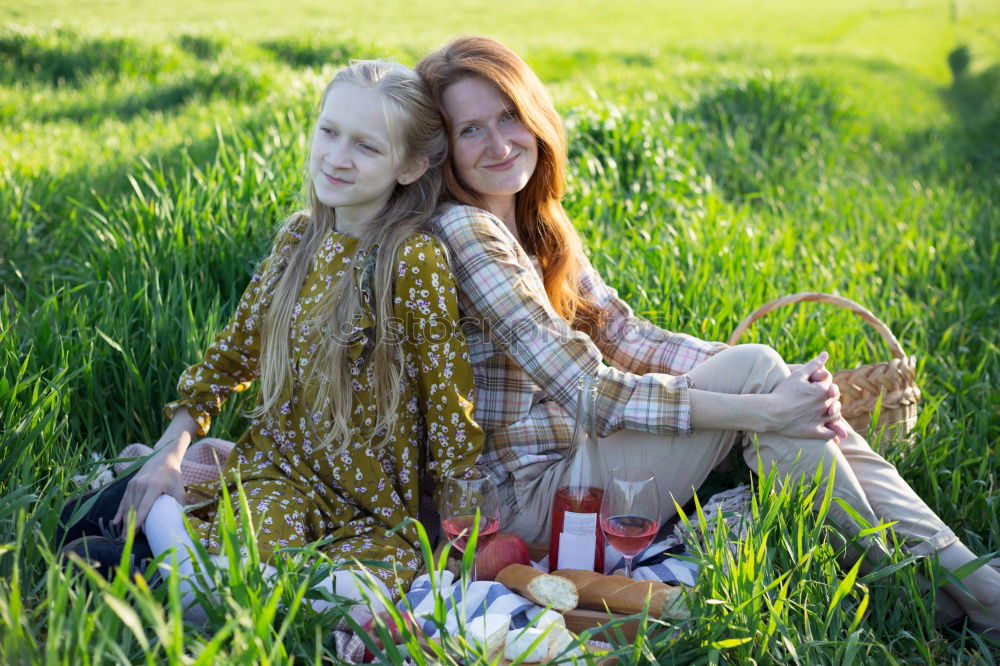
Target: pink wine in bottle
576, 540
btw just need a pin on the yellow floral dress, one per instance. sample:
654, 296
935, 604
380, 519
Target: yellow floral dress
299, 492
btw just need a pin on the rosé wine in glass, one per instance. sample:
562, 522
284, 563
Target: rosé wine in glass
629, 535
630, 511
468, 489
458, 529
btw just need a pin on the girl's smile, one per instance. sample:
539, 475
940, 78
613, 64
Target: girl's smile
335, 180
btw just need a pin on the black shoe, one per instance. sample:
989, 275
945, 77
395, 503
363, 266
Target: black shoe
96, 521
105, 554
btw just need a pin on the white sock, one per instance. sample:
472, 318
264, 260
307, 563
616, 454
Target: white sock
165, 530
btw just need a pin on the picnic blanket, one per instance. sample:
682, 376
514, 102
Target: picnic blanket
663, 561
480, 598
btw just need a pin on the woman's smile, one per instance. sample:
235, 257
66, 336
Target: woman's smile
503, 166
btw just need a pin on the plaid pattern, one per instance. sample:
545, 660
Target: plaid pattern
527, 359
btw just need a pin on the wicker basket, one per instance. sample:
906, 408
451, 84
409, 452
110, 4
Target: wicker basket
861, 388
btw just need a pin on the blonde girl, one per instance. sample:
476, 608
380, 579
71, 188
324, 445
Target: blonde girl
366, 386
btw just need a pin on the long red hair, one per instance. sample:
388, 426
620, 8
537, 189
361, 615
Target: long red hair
542, 225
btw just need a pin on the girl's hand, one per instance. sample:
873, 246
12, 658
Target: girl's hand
807, 403
161, 474
158, 476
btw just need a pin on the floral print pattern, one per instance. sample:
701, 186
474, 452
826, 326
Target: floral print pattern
299, 492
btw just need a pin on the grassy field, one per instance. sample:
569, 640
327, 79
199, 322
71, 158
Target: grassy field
722, 154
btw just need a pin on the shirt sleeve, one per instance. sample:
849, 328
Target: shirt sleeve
513, 309
636, 345
426, 301
230, 362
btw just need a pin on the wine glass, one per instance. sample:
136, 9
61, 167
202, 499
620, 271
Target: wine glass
467, 488
630, 511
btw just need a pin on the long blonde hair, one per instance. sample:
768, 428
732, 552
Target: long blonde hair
542, 225
419, 129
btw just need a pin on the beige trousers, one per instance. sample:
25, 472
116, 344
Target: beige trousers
863, 479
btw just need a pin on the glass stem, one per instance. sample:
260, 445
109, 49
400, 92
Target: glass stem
628, 567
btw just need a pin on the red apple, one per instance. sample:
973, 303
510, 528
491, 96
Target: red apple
369, 629
505, 549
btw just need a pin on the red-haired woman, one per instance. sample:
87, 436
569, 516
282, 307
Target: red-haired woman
537, 315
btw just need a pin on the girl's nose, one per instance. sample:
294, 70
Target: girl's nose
337, 155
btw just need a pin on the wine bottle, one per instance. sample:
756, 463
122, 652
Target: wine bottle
576, 540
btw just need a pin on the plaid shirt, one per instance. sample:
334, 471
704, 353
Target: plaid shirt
526, 358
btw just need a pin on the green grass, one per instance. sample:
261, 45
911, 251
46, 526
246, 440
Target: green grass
718, 159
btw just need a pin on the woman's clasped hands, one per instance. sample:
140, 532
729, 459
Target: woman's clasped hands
807, 403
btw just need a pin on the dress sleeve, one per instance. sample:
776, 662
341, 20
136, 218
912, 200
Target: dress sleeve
230, 362
512, 308
636, 345
426, 301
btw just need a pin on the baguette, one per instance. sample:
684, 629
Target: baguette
542, 588
626, 596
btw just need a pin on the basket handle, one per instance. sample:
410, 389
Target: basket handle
807, 296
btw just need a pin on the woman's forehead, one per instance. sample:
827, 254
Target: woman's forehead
471, 97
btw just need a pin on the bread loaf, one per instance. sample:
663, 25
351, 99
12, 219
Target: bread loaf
626, 596
541, 588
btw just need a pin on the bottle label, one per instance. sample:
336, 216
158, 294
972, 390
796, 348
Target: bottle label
578, 541
579, 523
